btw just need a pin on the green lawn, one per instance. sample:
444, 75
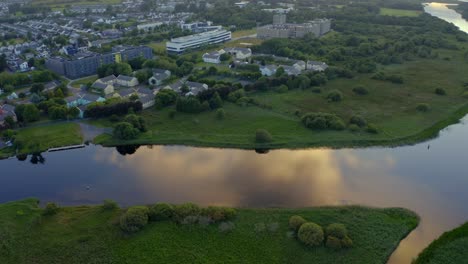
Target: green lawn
41, 138
84, 81
450, 248
399, 12
243, 33
89, 234
391, 107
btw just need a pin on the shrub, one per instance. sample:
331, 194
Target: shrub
262, 136
358, 120
316, 90
440, 91
220, 114
181, 211
296, 221
360, 90
336, 230
204, 221
282, 89
273, 227
354, 128
334, 96
50, 209
322, 121
160, 211
371, 128
172, 114
259, 227
190, 220
333, 242
423, 107
134, 219
225, 227
465, 94
109, 205
346, 242
311, 234
219, 213
126, 131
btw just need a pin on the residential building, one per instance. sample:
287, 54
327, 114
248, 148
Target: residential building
179, 45
241, 4
127, 81
147, 101
108, 79
149, 26
159, 75
316, 66
279, 19
212, 57
102, 88
268, 70
193, 88
198, 27
6, 110
238, 53
85, 64
83, 99
291, 70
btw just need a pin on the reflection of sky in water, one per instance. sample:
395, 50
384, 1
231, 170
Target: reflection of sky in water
441, 11
429, 178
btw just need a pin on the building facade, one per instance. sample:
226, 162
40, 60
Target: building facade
316, 27
85, 64
182, 44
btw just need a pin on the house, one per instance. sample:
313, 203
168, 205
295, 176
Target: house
212, 57
238, 53
316, 66
50, 86
102, 88
192, 88
108, 79
82, 109
291, 70
23, 66
268, 70
300, 65
73, 101
6, 110
12, 96
80, 99
127, 81
147, 101
126, 93
159, 75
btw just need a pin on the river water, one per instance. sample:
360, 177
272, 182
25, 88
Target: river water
429, 178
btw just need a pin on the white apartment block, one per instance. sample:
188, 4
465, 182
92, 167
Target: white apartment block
179, 45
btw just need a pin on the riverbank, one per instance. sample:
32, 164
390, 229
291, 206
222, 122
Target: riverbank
91, 233
450, 248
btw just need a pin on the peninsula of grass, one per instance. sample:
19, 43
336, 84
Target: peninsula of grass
40, 138
450, 248
91, 234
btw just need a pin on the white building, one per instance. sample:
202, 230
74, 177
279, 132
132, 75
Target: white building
179, 45
149, 26
238, 53
212, 57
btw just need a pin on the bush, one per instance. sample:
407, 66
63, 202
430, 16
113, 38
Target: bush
317, 90
322, 121
220, 114
50, 209
109, 205
346, 242
337, 230
219, 213
282, 89
360, 90
181, 211
225, 227
371, 128
334, 96
358, 120
333, 242
126, 131
440, 91
134, 219
262, 136
296, 221
423, 107
354, 128
172, 114
160, 211
465, 94
311, 234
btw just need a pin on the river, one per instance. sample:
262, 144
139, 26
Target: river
429, 178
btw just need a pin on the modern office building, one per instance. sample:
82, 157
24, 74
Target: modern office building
85, 64
280, 29
179, 45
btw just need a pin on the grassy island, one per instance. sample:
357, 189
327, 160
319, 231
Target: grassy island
85, 234
449, 248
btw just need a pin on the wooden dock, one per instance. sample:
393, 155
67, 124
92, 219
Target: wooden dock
66, 148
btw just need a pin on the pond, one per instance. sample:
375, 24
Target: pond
442, 11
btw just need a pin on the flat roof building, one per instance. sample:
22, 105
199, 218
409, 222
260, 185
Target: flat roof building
317, 27
182, 44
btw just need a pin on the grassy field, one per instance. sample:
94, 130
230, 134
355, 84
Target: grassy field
84, 81
62, 3
244, 33
450, 248
41, 138
391, 107
399, 12
89, 234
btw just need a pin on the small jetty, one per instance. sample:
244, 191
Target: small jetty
66, 148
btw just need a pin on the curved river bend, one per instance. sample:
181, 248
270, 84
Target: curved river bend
429, 178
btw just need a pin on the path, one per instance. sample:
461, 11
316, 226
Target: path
89, 132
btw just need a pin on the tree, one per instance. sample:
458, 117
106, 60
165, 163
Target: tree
37, 88
165, 97
73, 112
262, 136
125, 131
225, 57
280, 71
215, 101
3, 62
58, 112
29, 113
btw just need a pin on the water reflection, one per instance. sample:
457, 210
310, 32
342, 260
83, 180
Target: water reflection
442, 11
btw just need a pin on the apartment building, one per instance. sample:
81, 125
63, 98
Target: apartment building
179, 45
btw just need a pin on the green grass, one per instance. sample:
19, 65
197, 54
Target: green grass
84, 81
89, 234
399, 12
41, 138
62, 3
391, 107
450, 248
243, 33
